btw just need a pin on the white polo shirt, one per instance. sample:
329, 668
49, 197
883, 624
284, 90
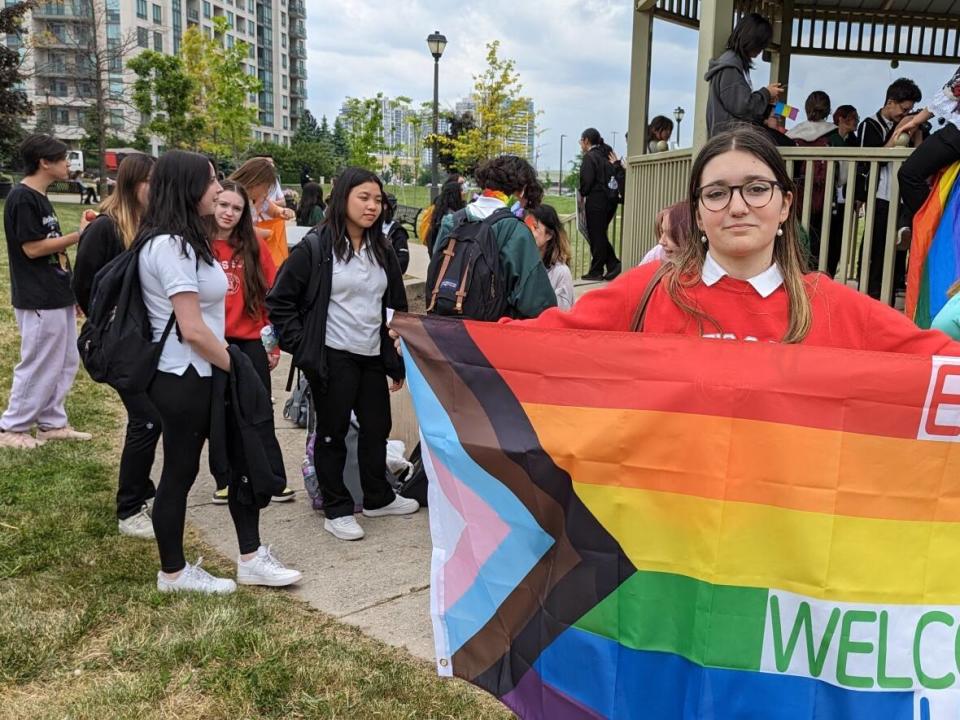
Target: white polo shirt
354, 316
766, 283
165, 271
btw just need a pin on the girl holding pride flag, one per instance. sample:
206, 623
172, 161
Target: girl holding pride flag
743, 275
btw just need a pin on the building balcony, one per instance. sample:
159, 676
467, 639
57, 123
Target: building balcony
298, 29
297, 9
60, 11
193, 15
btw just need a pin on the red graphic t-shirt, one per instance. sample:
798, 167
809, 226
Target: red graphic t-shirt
239, 324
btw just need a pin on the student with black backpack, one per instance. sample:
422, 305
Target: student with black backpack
600, 191
395, 233
111, 234
329, 308
485, 262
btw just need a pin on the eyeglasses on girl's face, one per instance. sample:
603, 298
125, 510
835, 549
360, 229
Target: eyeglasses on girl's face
756, 193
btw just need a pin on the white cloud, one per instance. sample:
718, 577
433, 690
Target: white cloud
573, 57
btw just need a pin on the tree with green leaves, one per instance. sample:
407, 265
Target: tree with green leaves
457, 125
307, 130
363, 123
223, 88
166, 94
341, 146
14, 105
500, 110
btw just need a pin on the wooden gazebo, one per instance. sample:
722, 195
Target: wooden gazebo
891, 30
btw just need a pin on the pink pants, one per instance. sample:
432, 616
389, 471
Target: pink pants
44, 375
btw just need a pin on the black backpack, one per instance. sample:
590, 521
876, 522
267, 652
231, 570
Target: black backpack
116, 341
613, 180
464, 278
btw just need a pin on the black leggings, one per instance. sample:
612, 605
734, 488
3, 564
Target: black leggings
358, 383
139, 450
599, 211
183, 402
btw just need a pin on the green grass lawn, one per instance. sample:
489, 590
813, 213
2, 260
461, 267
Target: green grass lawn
85, 634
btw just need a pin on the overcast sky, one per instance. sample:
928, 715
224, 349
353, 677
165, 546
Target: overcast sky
573, 57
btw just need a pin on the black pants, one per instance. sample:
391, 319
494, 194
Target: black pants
877, 250
254, 350
139, 449
599, 212
935, 153
358, 383
184, 405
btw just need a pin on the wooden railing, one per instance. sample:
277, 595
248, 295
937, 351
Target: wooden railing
656, 181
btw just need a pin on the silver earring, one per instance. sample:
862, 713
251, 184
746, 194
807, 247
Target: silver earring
780, 231
703, 239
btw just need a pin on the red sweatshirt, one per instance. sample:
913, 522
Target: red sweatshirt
842, 317
239, 324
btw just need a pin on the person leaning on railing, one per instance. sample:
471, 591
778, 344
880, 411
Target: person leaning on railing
935, 153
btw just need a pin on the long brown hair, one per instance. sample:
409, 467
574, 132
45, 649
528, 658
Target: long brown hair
787, 253
243, 241
255, 172
123, 204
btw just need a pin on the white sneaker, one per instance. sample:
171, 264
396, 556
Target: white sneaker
63, 433
399, 506
193, 578
138, 526
19, 440
345, 528
264, 569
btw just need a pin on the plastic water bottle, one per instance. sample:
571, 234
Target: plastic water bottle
268, 338
310, 483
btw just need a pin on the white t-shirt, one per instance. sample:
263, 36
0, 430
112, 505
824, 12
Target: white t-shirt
354, 315
166, 271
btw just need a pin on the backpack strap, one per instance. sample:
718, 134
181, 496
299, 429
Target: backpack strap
312, 241
640, 314
448, 253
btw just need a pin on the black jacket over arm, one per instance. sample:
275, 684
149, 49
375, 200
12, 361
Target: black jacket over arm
99, 244
297, 304
241, 428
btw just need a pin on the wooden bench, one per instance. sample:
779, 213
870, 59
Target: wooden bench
407, 215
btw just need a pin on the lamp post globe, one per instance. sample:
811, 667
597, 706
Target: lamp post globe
678, 114
437, 43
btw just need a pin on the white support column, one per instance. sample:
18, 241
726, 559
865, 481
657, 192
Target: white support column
716, 23
783, 37
640, 66
637, 122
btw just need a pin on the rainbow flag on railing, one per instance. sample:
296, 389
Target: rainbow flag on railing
629, 526
935, 249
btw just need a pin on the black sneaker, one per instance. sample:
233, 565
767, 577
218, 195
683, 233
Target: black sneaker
590, 277
285, 495
613, 273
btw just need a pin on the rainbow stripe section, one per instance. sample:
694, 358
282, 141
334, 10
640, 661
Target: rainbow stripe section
934, 252
729, 530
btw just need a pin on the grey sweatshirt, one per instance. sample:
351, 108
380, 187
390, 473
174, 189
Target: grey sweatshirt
732, 99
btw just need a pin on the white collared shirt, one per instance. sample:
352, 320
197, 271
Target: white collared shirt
766, 283
354, 315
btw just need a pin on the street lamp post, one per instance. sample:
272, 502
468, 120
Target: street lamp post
678, 116
436, 42
613, 141
560, 181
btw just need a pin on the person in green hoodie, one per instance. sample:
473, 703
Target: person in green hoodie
528, 288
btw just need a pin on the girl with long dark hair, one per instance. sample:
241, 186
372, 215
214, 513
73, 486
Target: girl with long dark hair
600, 204
449, 201
554, 248
250, 273
180, 276
732, 97
658, 134
329, 309
310, 212
110, 234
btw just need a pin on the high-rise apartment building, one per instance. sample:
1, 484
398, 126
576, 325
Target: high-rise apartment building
61, 81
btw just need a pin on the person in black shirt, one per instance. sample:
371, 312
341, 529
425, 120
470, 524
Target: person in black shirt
103, 240
395, 233
42, 300
600, 198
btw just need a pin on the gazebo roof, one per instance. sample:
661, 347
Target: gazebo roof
921, 30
